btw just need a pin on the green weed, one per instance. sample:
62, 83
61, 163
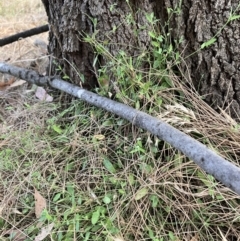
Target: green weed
104, 179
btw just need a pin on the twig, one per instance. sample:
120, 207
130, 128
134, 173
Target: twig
209, 161
25, 34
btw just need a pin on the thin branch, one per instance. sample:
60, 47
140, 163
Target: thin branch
209, 161
25, 34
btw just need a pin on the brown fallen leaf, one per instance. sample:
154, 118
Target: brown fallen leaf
4, 83
44, 232
40, 203
17, 83
42, 94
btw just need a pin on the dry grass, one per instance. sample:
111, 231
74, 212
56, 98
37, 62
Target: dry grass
219, 130
63, 154
19, 13
17, 16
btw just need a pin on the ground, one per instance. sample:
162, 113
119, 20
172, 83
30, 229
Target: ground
70, 171
17, 16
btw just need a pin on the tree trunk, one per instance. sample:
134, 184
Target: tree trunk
214, 71
71, 20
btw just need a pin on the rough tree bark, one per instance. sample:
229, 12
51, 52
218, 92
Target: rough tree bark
214, 71
70, 20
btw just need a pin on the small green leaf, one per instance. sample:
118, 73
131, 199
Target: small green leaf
155, 44
70, 189
107, 123
152, 34
77, 222
170, 48
159, 51
156, 64
131, 179
141, 193
95, 217
82, 77
177, 57
150, 17
169, 10
106, 200
137, 105
87, 236
121, 191
113, 180
94, 20
65, 77
154, 200
208, 43
2, 222
114, 29
56, 197
109, 166
171, 236
151, 235
57, 129
160, 38
234, 17
79, 201
168, 81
